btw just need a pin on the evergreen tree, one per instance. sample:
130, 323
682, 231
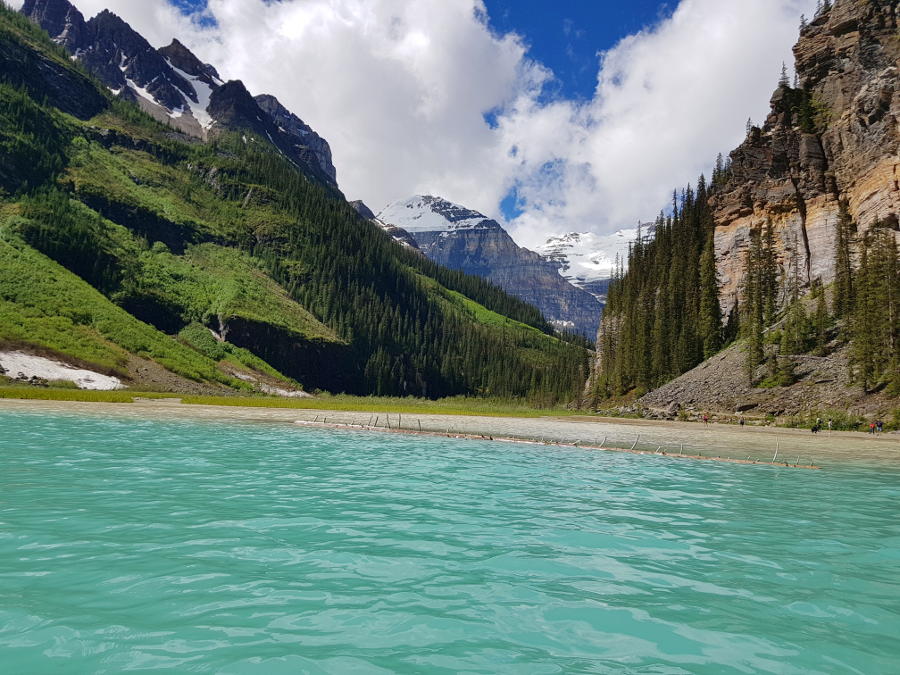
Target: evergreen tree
796, 330
783, 81
754, 303
844, 296
875, 327
710, 310
821, 321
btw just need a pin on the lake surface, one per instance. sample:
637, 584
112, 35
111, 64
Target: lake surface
236, 548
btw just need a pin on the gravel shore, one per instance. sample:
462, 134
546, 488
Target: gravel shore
793, 446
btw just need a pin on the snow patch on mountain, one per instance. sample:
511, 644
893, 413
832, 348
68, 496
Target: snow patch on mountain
424, 213
585, 257
203, 95
23, 366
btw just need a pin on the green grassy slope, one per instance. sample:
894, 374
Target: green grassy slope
44, 305
173, 239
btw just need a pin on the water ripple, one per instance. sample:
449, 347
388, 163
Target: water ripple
128, 544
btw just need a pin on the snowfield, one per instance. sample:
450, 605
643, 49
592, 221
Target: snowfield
585, 257
433, 214
204, 94
28, 365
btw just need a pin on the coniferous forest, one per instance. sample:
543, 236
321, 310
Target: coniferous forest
663, 316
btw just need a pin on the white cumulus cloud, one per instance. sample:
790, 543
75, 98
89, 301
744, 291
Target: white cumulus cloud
403, 90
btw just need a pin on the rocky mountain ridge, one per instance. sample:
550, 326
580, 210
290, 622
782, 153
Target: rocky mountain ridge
830, 143
174, 86
466, 240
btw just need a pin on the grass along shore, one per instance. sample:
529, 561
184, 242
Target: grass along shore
470, 407
458, 406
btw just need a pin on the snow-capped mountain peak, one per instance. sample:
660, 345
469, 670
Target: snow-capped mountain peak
424, 213
585, 257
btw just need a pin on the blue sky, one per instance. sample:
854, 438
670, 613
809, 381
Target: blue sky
566, 35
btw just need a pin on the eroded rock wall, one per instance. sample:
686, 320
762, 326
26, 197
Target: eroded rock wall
795, 173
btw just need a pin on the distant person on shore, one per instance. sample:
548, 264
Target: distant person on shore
706, 420
816, 427
830, 424
879, 426
742, 422
871, 427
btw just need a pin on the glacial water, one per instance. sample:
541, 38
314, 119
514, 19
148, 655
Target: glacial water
236, 548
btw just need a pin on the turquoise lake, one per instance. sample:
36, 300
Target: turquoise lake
128, 544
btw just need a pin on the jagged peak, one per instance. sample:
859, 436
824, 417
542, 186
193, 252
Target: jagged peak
270, 100
108, 16
276, 110
185, 60
32, 6
110, 23
59, 18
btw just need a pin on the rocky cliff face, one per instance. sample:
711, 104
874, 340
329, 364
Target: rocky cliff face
466, 240
175, 87
60, 19
833, 140
307, 142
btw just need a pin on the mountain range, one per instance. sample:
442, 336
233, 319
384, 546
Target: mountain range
175, 87
588, 260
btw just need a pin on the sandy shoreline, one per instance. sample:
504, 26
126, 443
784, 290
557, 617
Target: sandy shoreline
750, 444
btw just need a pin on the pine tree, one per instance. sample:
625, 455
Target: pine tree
786, 375
796, 331
863, 330
844, 295
768, 274
783, 81
754, 303
821, 321
710, 310
875, 327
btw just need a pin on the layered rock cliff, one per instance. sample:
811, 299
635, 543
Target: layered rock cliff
463, 239
831, 140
